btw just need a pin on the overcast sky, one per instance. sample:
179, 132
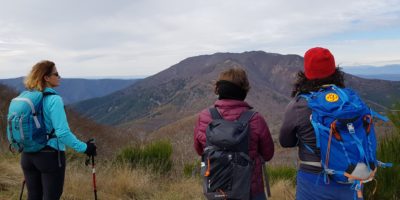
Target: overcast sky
143, 37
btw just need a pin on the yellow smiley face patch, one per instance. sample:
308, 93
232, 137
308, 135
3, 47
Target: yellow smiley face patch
331, 97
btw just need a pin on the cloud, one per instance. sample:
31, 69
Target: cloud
144, 37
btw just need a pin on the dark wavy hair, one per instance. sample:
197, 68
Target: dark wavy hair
304, 85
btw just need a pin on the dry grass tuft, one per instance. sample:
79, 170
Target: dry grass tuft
113, 182
283, 190
10, 177
182, 189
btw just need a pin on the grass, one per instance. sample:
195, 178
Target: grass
114, 182
282, 173
283, 190
10, 176
388, 179
387, 183
119, 181
192, 169
155, 156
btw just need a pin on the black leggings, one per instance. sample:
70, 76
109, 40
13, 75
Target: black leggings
43, 175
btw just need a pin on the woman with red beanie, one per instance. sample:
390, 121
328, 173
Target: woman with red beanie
297, 130
232, 88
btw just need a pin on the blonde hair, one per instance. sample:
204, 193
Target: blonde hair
35, 79
237, 76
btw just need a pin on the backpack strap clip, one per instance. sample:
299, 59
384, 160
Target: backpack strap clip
51, 134
350, 127
384, 165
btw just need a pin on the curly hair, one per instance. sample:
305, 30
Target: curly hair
304, 85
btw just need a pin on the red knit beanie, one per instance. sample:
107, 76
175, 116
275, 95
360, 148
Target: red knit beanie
318, 63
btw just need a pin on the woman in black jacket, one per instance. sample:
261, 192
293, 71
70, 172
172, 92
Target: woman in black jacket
296, 130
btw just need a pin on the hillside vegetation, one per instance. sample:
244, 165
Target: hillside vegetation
6, 94
188, 87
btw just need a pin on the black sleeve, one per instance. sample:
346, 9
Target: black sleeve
287, 135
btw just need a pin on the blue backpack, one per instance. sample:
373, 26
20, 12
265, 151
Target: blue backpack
345, 135
26, 130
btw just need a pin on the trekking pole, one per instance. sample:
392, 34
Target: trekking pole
93, 171
22, 190
94, 178
266, 179
91, 158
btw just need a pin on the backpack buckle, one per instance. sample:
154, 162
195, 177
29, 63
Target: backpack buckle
329, 171
351, 129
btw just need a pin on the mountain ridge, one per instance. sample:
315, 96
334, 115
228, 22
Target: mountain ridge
77, 89
386, 72
187, 87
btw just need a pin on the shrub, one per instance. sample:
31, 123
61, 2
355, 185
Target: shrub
192, 169
282, 173
387, 184
155, 156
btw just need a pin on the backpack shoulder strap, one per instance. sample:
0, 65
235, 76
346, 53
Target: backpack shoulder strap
246, 116
215, 114
52, 132
306, 96
44, 95
379, 116
48, 94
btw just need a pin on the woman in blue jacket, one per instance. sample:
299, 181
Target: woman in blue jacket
44, 171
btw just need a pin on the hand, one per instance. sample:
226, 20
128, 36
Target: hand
91, 148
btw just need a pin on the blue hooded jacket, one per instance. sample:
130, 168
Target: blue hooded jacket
55, 117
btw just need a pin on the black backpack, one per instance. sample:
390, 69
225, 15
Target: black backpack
226, 165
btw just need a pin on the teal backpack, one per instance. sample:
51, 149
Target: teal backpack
26, 130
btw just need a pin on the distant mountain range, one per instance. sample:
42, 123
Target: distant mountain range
187, 87
387, 72
73, 90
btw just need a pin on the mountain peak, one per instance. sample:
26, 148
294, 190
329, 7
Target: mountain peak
187, 87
